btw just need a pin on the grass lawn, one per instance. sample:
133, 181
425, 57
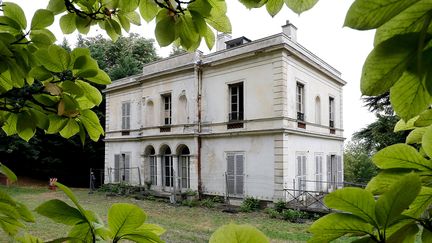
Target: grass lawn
183, 224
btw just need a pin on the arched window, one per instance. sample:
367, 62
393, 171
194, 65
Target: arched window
150, 154
184, 165
167, 166
317, 110
149, 114
182, 111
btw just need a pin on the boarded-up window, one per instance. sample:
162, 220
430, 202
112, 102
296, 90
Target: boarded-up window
235, 173
301, 172
318, 172
126, 115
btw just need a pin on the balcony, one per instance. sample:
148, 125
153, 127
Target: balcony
235, 120
300, 116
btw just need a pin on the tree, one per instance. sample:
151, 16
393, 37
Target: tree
358, 166
122, 58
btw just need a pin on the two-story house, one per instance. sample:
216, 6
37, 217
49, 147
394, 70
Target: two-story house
251, 119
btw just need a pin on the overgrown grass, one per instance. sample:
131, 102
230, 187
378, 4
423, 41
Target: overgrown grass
183, 224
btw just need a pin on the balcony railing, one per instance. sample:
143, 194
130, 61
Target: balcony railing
331, 123
300, 116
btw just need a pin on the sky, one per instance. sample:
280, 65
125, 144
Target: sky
320, 30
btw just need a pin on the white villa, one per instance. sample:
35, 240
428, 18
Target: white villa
251, 119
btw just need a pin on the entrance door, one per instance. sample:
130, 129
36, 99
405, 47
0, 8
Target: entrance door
235, 174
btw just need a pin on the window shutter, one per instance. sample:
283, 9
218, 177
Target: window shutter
116, 167
239, 174
230, 173
339, 171
127, 169
298, 165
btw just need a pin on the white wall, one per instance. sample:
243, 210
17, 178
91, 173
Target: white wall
258, 165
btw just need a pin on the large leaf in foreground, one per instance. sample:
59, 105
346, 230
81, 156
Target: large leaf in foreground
340, 224
234, 233
357, 201
400, 195
401, 156
124, 219
60, 212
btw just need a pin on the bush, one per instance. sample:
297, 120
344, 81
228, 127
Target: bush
279, 206
272, 212
294, 216
250, 204
208, 202
120, 189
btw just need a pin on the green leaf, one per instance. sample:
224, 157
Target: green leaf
72, 88
82, 232
15, 12
201, 7
91, 123
386, 63
56, 123
274, 6
426, 235
124, 219
253, 3
24, 212
209, 38
56, 6
416, 135
409, 97
220, 23
124, 22
60, 212
299, 6
27, 238
400, 195
71, 196
427, 141
357, 201
83, 24
421, 203
100, 78
407, 233
238, 233
113, 29
424, 119
55, 58
410, 20
401, 125
401, 156
148, 9
133, 17
10, 225
340, 224
40, 73
71, 128
187, 32
154, 228
68, 23
26, 128
128, 5
382, 182
8, 173
42, 19
165, 30
9, 127
92, 93
370, 14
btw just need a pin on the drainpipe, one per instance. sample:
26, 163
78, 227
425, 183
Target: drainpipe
198, 72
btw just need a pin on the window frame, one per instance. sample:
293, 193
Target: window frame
332, 112
126, 115
166, 109
239, 102
300, 101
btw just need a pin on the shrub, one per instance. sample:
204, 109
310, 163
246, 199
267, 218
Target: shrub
294, 216
279, 206
272, 212
208, 202
250, 204
120, 189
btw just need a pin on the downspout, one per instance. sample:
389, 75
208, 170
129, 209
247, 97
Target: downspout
198, 71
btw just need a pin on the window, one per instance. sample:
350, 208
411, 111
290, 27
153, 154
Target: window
301, 172
126, 115
121, 167
184, 168
318, 172
236, 102
300, 101
166, 109
153, 167
331, 112
317, 110
235, 173
168, 169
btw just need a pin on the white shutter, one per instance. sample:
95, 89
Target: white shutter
339, 171
329, 179
116, 167
127, 169
230, 173
239, 174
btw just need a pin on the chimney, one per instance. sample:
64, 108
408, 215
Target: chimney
290, 30
221, 39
